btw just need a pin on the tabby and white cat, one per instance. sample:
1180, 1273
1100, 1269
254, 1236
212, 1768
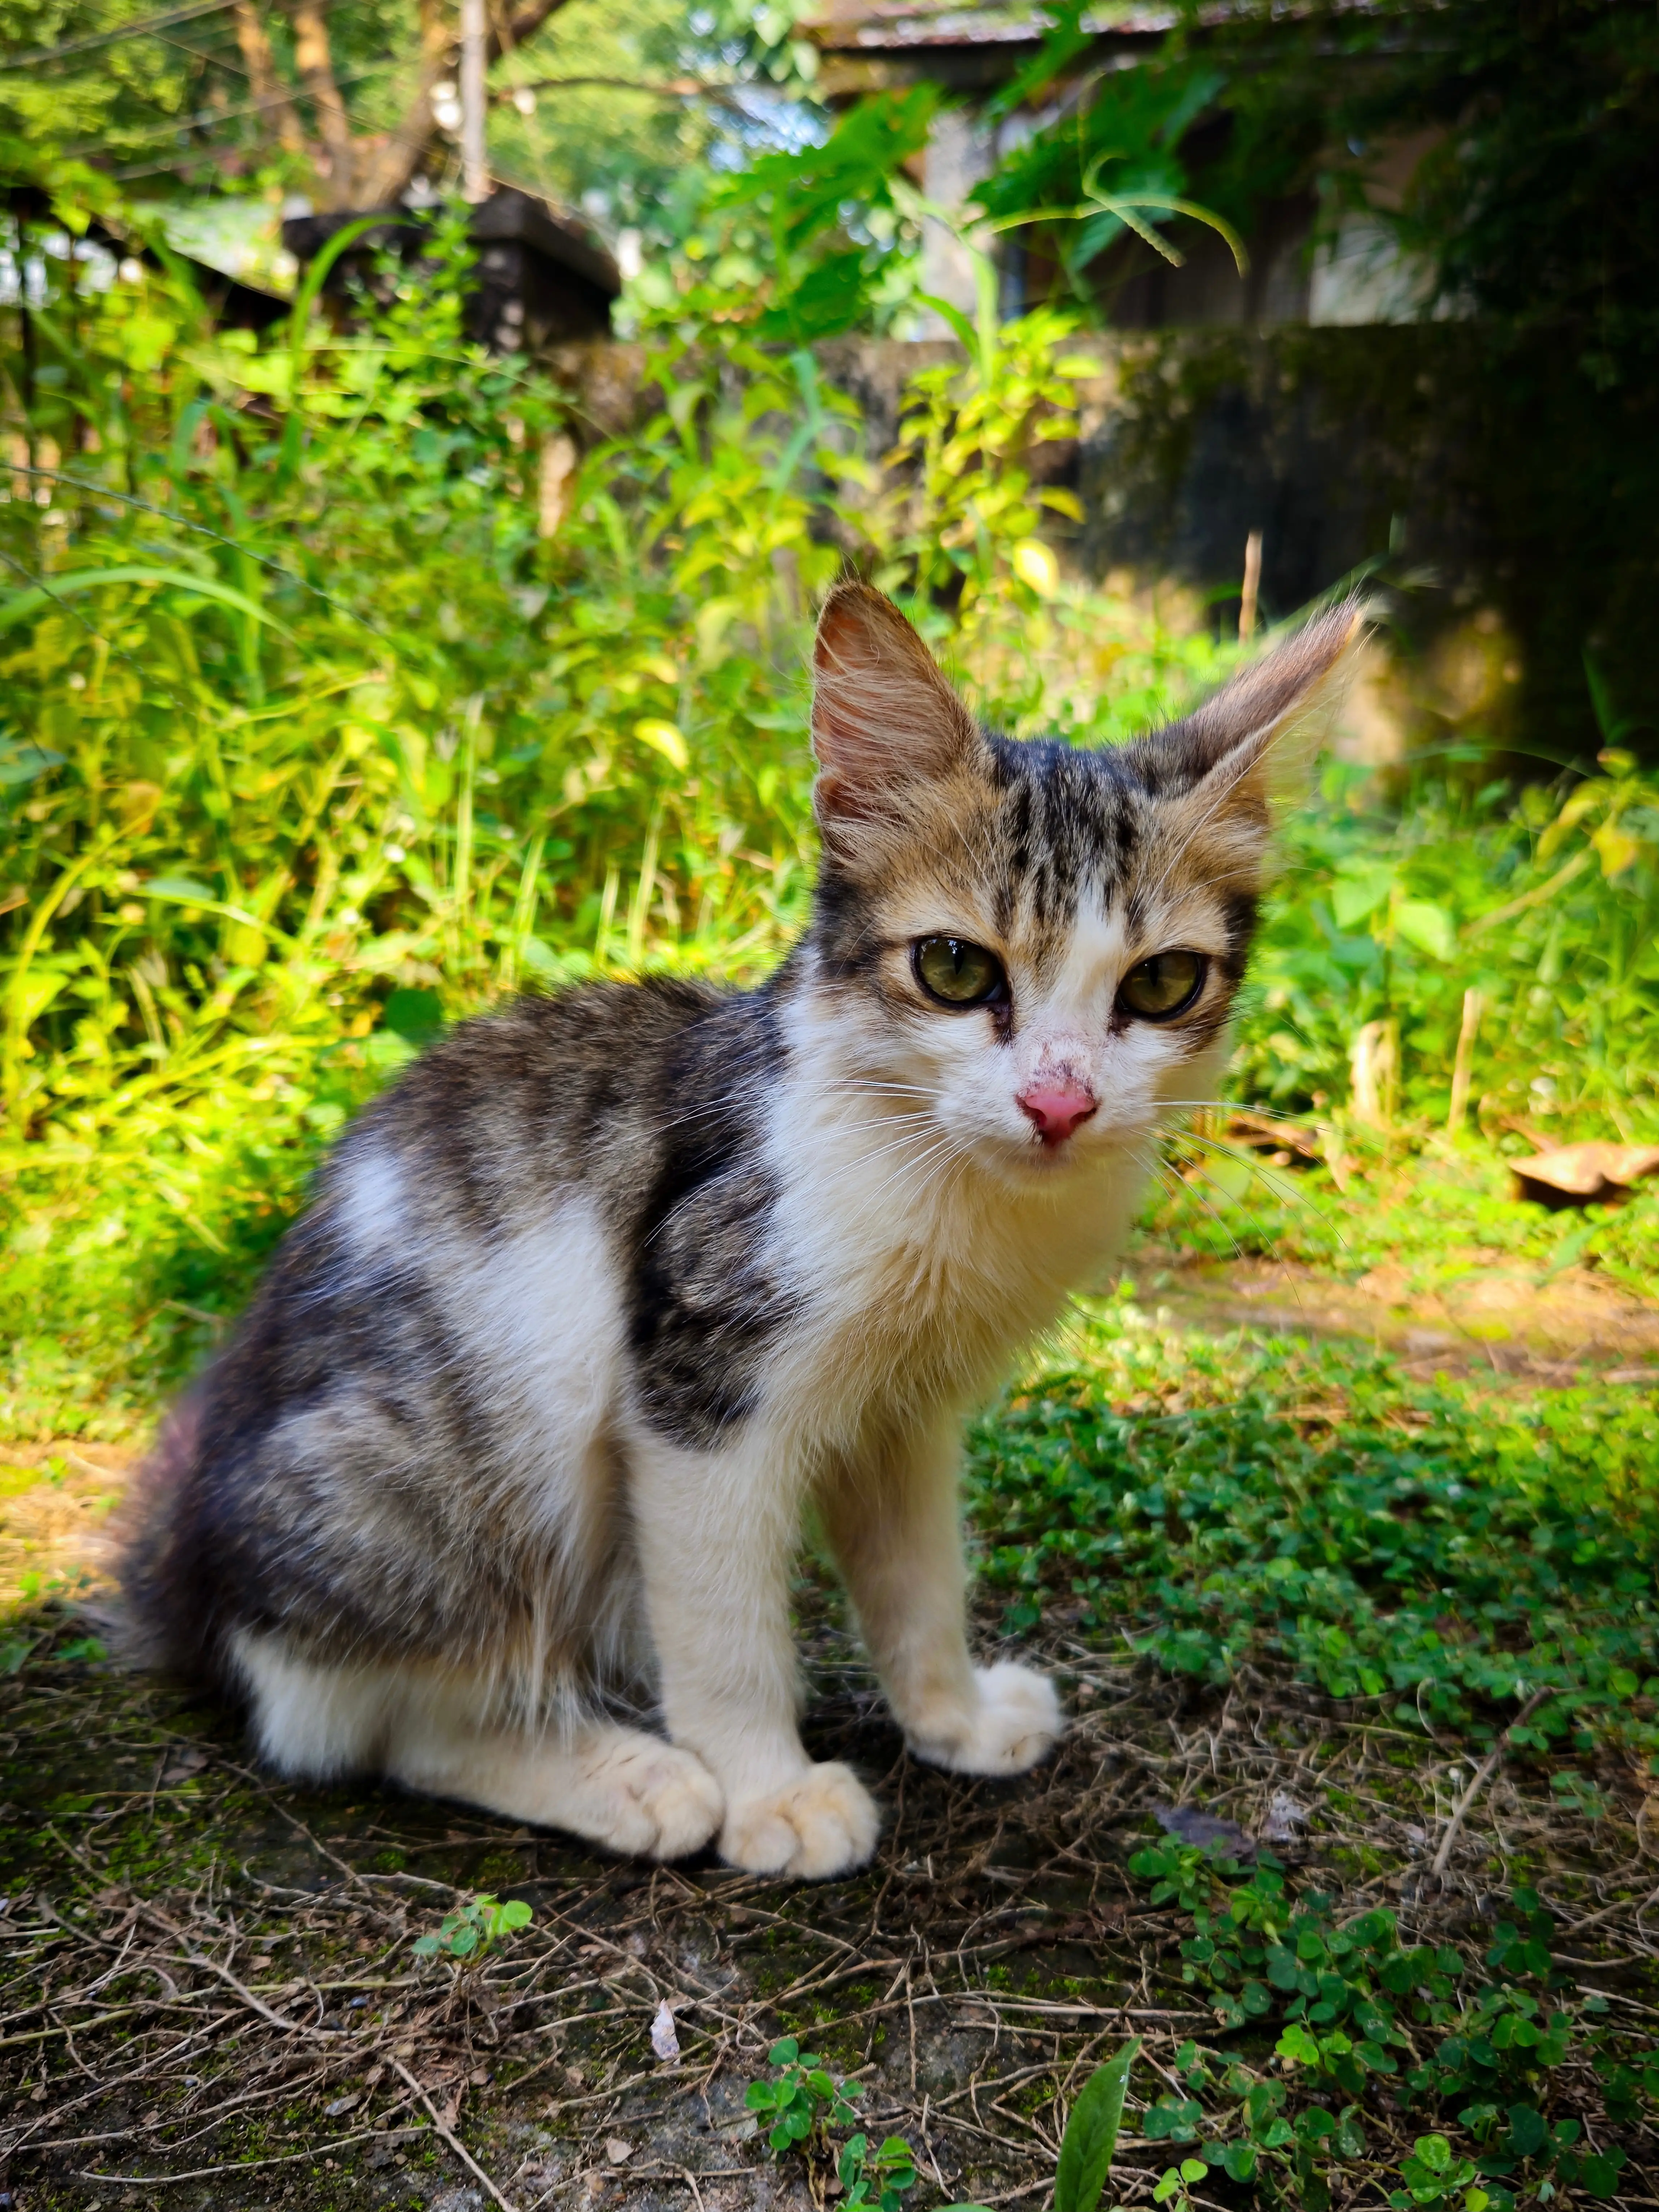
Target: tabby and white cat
595, 1300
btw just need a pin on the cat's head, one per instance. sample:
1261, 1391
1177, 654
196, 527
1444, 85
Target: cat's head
1031, 946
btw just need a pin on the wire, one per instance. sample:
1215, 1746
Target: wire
679, 88
138, 30
229, 59
204, 117
145, 27
163, 515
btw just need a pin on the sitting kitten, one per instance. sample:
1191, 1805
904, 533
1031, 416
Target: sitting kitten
609, 1284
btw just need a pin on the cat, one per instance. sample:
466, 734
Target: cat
592, 1302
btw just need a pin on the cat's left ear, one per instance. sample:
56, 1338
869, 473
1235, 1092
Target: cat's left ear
1255, 741
884, 719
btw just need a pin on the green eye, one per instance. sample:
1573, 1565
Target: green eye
1162, 986
958, 974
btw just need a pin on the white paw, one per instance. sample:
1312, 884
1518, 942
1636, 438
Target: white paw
824, 1822
660, 1802
1014, 1721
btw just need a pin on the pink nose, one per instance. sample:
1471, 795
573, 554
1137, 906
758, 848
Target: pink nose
1056, 1108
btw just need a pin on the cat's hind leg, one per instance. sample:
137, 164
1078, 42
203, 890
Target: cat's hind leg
620, 1787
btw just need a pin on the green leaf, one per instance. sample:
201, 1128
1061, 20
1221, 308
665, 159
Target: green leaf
959, 322
784, 2052
69, 582
185, 889
664, 738
1598, 2172
1429, 927
22, 763
1298, 2045
1359, 892
1527, 2131
417, 1016
1091, 2133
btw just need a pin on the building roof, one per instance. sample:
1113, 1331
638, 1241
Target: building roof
869, 46
507, 216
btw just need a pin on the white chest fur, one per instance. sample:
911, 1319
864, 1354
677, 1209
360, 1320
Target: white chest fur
918, 1275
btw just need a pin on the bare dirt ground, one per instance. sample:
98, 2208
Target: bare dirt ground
1482, 1316
55, 1498
210, 1999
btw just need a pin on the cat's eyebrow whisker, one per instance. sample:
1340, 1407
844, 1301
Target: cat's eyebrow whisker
943, 1145
1238, 1250
897, 1090
1180, 1185
1232, 1106
1245, 871
1246, 1159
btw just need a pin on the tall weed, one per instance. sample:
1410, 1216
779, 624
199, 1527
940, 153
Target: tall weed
343, 697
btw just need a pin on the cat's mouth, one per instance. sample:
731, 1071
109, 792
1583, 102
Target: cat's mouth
1093, 1140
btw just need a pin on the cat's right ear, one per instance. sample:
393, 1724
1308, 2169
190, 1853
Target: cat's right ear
883, 717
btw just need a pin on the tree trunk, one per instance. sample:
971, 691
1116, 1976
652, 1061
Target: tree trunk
338, 163
396, 163
276, 108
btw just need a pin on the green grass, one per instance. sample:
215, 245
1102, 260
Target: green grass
1446, 1549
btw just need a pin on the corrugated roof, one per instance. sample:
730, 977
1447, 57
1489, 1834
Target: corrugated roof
902, 26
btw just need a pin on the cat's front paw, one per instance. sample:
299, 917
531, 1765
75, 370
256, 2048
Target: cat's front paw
1014, 1721
823, 1823
658, 1802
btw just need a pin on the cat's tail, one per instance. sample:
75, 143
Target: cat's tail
166, 1621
